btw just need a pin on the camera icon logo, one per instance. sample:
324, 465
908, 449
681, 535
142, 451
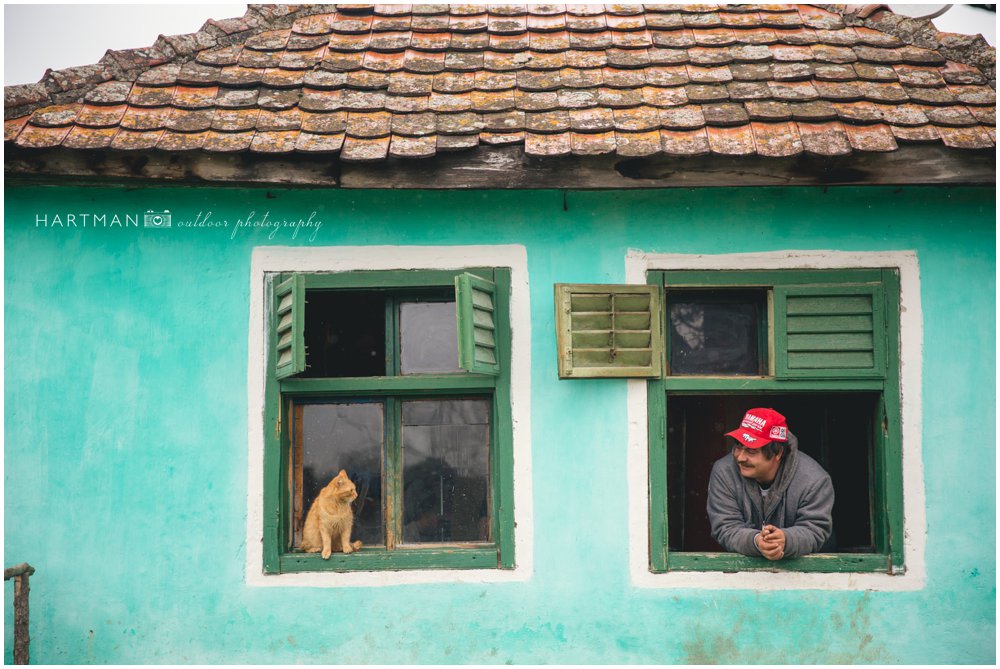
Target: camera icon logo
156, 219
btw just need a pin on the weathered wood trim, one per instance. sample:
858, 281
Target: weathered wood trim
158, 167
503, 168
817, 562
376, 558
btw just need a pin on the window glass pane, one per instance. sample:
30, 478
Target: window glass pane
714, 336
344, 333
346, 436
428, 337
446, 456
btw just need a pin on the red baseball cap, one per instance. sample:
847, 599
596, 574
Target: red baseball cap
760, 427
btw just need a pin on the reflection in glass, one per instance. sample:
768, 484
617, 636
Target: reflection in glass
428, 337
346, 436
446, 462
714, 337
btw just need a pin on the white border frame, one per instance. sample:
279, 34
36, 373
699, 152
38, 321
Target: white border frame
637, 264
353, 258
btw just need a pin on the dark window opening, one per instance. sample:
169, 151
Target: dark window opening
345, 334
716, 332
836, 429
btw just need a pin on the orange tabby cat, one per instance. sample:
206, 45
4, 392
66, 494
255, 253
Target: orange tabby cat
329, 521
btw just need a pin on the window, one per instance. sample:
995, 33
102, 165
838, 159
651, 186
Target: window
402, 379
821, 347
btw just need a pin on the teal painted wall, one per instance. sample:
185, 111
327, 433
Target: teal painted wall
126, 456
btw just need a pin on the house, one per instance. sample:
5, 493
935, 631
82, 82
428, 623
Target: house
515, 269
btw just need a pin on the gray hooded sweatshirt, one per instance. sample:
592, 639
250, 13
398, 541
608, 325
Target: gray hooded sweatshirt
800, 502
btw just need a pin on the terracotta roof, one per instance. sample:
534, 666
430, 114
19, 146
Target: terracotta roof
373, 81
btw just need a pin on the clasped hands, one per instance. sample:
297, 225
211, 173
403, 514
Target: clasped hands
771, 542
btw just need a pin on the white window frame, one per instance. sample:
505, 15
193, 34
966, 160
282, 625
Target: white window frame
267, 259
637, 264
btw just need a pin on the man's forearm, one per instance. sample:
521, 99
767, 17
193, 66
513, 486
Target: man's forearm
738, 539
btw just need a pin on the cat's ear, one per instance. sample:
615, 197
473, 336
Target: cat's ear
342, 474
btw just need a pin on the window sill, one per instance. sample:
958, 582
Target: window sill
817, 562
379, 559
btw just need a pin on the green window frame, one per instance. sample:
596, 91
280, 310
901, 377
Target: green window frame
812, 346
482, 297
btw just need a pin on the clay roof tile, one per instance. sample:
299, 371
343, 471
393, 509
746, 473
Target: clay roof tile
288, 119
592, 144
875, 137
100, 116
556, 121
769, 110
858, 112
637, 144
89, 138
824, 139
725, 114
924, 133
12, 128
736, 141
536, 100
449, 102
501, 138
777, 140
530, 80
960, 73
748, 90
228, 142
320, 24
685, 142
973, 137
237, 75
815, 17
182, 141
975, 95
595, 119
56, 116
145, 119
364, 150
128, 140
412, 147
544, 145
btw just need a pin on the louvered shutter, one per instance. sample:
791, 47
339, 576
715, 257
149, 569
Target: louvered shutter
475, 305
289, 327
608, 330
829, 331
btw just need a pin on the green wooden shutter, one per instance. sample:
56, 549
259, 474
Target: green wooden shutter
608, 330
475, 304
829, 331
289, 327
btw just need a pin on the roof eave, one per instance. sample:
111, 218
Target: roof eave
504, 167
